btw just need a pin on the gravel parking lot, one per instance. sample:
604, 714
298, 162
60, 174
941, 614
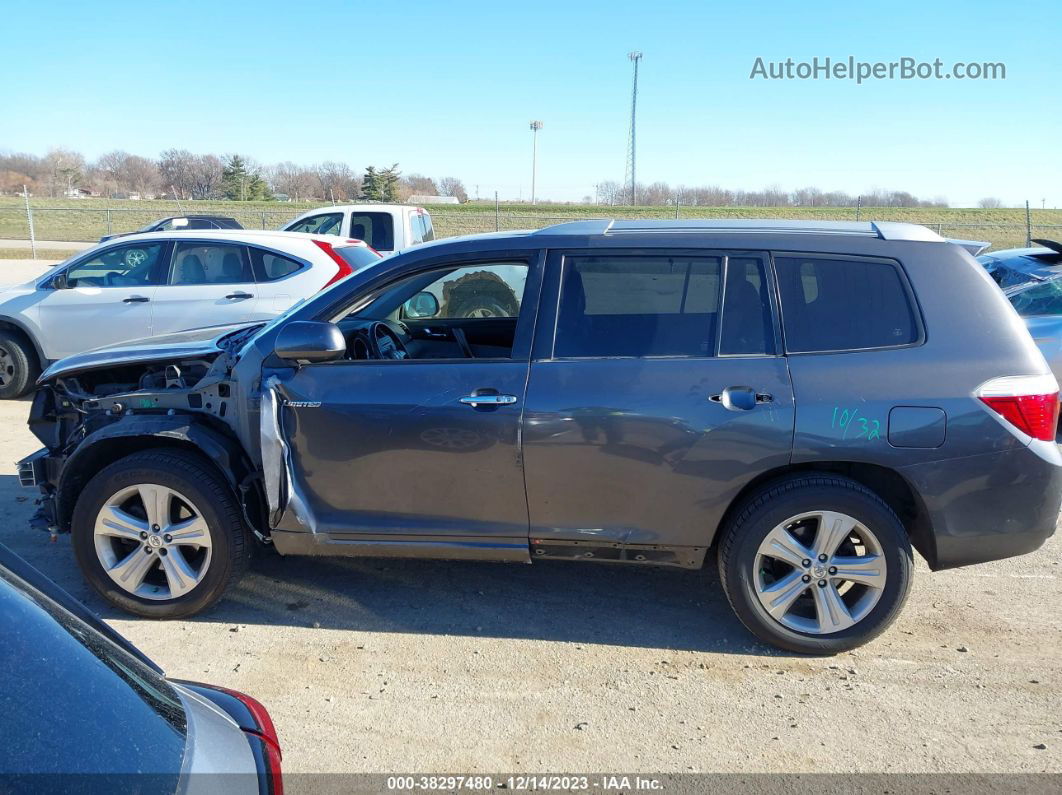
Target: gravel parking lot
380, 666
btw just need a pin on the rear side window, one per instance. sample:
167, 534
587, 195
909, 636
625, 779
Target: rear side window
839, 304
376, 229
269, 267
638, 306
429, 230
747, 326
1040, 299
357, 257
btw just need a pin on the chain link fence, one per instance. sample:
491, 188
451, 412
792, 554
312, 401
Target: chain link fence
77, 224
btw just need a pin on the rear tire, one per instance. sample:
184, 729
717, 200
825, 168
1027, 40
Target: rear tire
19, 368
785, 594
168, 561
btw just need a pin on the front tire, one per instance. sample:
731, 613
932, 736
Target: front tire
816, 564
159, 534
19, 367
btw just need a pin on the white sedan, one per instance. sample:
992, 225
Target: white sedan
160, 282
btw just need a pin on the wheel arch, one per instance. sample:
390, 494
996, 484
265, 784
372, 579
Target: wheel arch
887, 483
216, 447
17, 327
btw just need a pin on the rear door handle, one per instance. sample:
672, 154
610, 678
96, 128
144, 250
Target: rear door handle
489, 400
135, 299
741, 398
239, 296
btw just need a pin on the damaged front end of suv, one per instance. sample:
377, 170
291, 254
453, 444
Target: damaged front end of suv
173, 392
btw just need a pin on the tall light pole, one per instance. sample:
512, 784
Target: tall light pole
635, 56
535, 127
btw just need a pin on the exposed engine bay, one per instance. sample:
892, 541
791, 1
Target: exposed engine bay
181, 374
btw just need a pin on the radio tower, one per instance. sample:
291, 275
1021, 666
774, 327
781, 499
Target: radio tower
630, 176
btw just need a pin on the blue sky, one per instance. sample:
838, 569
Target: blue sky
449, 88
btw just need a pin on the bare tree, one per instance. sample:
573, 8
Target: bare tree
175, 169
337, 181
66, 169
452, 186
990, 203
298, 182
205, 176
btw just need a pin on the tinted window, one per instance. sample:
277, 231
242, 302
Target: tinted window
376, 229
131, 265
638, 306
209, 263
357, 256
747, 326
1041, 299
72, 702
324, 224
269, 266
843, 304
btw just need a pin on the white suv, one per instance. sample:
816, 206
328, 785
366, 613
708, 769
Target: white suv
160, 282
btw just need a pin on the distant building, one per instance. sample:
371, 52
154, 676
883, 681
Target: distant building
432, 200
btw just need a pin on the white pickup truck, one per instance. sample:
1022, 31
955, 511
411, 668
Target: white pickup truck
385, 227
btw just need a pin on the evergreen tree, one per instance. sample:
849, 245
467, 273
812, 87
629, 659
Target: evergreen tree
371, 185
389, 178
240, 184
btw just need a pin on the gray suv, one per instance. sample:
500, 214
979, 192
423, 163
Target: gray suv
800, 403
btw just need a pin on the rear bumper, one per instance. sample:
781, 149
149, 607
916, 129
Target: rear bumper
989, 507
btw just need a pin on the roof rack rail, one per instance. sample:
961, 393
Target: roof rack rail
883, 230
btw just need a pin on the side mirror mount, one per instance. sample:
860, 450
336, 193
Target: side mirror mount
310, 341
60, 282
423, 304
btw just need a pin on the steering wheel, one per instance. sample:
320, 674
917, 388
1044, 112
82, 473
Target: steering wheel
384, 343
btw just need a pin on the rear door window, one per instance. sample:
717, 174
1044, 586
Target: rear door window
640, 306
843, 304
376, 229
209, 263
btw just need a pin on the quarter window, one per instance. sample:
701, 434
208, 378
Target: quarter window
837, 304
638, 306
269, 267
209, 263
132, 265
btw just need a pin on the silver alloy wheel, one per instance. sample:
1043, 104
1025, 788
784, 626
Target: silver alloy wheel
7, 366
819, 572
152, 541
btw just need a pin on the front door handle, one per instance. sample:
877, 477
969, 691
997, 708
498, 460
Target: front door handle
741, 398
488, 400
135, 299
239, 296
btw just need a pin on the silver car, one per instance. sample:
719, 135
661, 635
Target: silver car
79, 703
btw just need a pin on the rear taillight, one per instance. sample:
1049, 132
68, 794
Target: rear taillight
1028, 402
267, 733
344, 267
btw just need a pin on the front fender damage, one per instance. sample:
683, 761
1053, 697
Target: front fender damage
281, 487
